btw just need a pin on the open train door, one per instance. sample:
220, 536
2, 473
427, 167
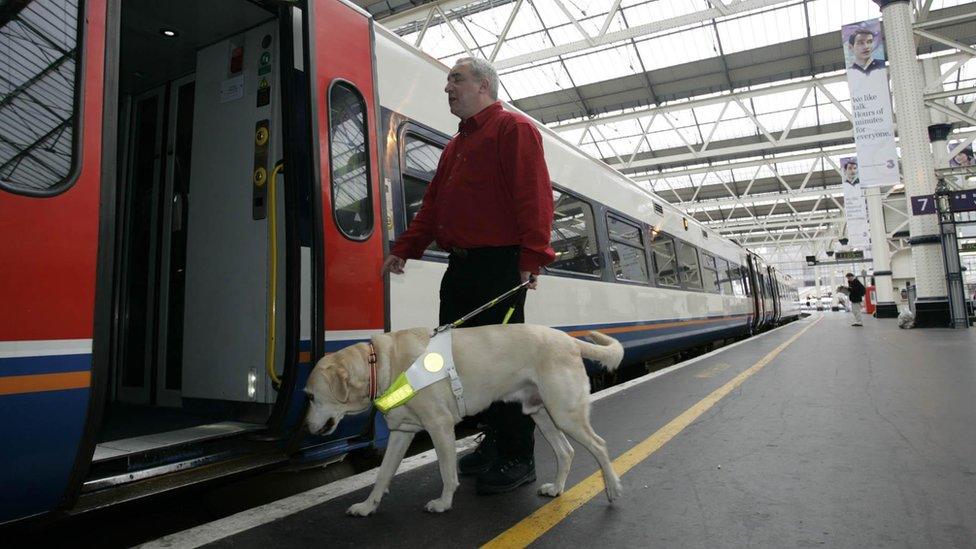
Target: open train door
758, 303
51, 184
350, 232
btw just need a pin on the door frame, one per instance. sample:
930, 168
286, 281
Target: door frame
143, 394
164, 396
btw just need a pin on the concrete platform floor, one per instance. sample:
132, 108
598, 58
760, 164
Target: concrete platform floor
848, 437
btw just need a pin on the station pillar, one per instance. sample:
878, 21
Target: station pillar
918, 170
885, 306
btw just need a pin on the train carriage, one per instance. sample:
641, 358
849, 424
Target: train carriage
195, 203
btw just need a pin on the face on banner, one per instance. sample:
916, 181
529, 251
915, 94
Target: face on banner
848, 168
963, 156
864, 46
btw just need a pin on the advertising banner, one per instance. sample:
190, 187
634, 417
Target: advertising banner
867, 77
855, 206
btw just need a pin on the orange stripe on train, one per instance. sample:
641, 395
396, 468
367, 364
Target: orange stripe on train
15, 385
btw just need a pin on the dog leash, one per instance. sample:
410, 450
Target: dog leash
486, 306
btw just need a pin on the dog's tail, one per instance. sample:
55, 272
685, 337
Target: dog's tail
607, 350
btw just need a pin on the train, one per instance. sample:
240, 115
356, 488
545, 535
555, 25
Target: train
195, 202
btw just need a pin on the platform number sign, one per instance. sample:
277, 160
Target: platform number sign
963, 201
923, 205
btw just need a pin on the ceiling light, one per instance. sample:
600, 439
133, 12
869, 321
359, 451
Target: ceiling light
169, 33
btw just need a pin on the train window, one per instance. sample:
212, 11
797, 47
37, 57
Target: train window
688, 260
724, 279
39, 95
627, 251
420, 164
665, 260
709, 275
736, 276
352, 201
574, 236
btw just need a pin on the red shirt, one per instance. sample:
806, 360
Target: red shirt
491, 189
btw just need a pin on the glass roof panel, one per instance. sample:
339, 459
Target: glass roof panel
603, 65
565, 34
762, 29
677, 48
664, 140
641, 13
830, 15
441, 43
524, 44
536, 80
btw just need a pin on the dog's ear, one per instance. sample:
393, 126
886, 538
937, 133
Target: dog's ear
338, 379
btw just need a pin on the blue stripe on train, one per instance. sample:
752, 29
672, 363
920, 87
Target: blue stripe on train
40, 434
52, 364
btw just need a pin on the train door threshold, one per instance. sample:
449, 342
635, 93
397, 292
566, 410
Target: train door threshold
126, 447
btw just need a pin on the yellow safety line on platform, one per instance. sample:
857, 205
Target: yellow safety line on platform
552, 513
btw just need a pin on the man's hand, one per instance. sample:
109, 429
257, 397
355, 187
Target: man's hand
535, 279
393, 264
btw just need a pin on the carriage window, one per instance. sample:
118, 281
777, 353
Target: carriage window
709, 276
665, 263
420, 164
736, 274
39, 62
627, 251
688, 261
573, 236
724, 281
352, 201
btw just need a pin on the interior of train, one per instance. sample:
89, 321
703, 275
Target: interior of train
199, 136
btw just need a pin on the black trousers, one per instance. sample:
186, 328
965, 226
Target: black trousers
473, 278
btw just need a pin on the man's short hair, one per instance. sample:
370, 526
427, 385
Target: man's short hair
849, 274
481, 68
845, 163
862, 30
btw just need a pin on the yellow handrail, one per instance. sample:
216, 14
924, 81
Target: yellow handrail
273, 278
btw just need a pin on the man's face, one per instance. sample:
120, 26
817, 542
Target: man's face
962, 159
863, 48
464, 91
849, 278
850, 171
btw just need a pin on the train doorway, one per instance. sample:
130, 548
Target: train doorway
200, 297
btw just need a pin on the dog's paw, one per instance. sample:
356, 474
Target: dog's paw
437, 506
549, 489
361, 509
614, 490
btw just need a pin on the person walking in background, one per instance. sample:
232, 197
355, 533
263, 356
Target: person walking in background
857, 295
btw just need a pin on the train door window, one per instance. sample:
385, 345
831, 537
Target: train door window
627, 251
420, 159
709, 275
352, 201
574, 237
688, 266
665, 260
724, 279
39, 63
736, 278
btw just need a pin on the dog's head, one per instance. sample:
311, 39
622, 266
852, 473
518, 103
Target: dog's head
338, 385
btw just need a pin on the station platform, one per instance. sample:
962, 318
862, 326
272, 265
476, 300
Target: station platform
814, 434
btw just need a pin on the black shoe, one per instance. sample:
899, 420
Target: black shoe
507, 475
482, 458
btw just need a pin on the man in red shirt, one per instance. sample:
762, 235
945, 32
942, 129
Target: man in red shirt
490, 206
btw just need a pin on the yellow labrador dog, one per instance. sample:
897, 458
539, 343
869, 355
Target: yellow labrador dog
539, 367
